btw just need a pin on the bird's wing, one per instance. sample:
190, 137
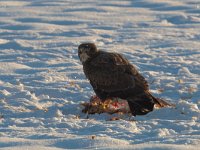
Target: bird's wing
112, 72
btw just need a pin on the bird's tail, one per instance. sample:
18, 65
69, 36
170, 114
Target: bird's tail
143, 104
160, 102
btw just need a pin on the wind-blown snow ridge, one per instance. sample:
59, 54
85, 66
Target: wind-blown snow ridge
42, 82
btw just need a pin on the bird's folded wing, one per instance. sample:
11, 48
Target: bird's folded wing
111, 73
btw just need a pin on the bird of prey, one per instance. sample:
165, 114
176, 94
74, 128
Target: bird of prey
111, 75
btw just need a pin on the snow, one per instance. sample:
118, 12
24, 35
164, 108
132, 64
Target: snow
42, 83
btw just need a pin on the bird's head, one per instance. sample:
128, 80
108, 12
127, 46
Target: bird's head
86, 51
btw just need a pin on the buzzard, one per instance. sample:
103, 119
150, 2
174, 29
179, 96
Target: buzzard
111, 75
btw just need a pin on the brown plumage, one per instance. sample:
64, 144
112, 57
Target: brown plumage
111, 75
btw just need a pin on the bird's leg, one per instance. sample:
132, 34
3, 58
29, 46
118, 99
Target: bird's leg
87, 115
131, 117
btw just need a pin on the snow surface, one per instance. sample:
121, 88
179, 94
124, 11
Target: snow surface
42, 82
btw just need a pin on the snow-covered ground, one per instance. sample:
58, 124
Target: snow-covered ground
42, 82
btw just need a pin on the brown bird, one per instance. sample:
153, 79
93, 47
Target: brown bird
112, 75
